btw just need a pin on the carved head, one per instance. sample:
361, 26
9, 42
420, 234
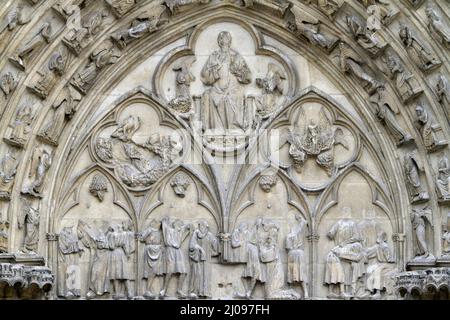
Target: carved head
243, 226
267, 182
127, 225
346, 212
177, 224
155, 224
203, 226
313, 129
180, 183
224, 40
420, 110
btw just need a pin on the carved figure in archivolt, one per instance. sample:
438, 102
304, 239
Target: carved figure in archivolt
297, 261
328, 7
145, 23
350, 62
446, 238
437, 26
443, 179
153, 255
78, 38
8, 83
55, 68
316, 139
407, 85
386, 116
8, 170
21, 127
382, 8
225, 72
15, 18
182, 103
413, 169
428, 129
64, 109
272, 87
40, 164
175, 4
99, 59
29, 221
311, 28
422, 56
367, 39
42, 37
421, 220
69, 275
443, 90
202, 246
174, 234
4, 236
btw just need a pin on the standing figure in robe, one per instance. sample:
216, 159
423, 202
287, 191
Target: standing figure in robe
174, 234
297, 264
418, 222
153, 255
121, 245
225, 72
202, 246
436, 25
239, 243
68, 270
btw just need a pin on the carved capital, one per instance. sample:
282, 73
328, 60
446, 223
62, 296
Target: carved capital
313, 237
399, 237
51, 236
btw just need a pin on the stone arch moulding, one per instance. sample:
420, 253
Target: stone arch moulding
116, 112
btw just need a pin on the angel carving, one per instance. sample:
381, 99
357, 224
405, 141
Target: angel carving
315, 139
419, 220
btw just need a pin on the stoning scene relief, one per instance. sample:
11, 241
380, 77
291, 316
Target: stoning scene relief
224, 149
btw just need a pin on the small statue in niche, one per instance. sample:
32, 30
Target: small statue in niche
121, 243
121, 7
153, 255
350, 62
182, 103
311, 28
225, 72
98, 186
8, 83
368, 40
180, 183
55, 68
443, 179
64, 109
315, 139
99, 59
41, 38
297, 272
408, 87
437, 26
428, 130
4, 236
422, 56
446, 238
268, 181
384, 8
40, 164
29, 221
8, 170
78, 38
68, 269
272, 87
419, 220
413, 169
174, 234
145, 23
15, 18
202, 246
386, 116
443, 90
127, 128
22, 125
